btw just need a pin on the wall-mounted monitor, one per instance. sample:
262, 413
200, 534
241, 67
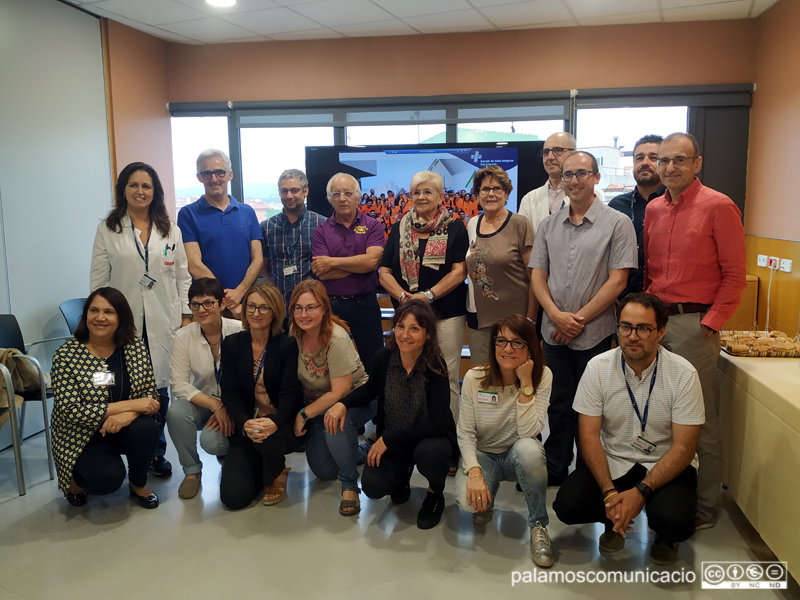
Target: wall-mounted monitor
390, 168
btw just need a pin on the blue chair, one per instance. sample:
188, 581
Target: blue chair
72, 311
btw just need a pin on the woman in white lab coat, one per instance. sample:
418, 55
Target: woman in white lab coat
139, 251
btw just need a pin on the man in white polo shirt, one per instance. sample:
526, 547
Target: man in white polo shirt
640, 410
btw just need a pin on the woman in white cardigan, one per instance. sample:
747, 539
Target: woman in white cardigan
139, 251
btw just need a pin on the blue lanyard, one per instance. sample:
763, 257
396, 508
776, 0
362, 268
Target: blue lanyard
643, 421
261, 365
146, 256
217, 370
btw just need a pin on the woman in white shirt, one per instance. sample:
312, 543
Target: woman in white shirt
139, 251
195, 381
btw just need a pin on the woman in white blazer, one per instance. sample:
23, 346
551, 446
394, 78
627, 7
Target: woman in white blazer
139, 251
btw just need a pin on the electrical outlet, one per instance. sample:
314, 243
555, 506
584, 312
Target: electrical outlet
774, 262
762, 260
786, 265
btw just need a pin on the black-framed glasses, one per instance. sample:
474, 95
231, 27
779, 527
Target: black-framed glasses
311, 309
678, 160
517, 344
580, 175
496, 189
220, 173
262, 309
557, 151
642, 331
208, 305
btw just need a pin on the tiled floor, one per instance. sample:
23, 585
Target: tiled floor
302, 549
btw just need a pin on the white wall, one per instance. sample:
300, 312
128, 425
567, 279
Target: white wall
54, 159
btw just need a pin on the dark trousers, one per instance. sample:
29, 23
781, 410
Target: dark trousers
567, 366
249, 467
100, 470
163, 399
363, 316
432, 457
670, 512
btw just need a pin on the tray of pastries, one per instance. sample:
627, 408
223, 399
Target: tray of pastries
760, 343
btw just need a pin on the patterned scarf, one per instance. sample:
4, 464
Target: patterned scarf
404, 402
435, 249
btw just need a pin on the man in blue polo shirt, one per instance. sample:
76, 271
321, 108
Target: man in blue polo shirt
288, 235
221, 236
347, 250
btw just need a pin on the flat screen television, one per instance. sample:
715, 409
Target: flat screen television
390, 168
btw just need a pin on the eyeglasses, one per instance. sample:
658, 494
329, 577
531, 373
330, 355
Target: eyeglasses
426, 193
678, 160
642, 331
496, 189
208, 305
311, 309
580, 175
287, 191
557, 151
220, 173
641, 156
502, 342
348, 194
262, 309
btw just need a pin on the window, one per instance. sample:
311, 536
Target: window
366, 135
190, 136
508, 131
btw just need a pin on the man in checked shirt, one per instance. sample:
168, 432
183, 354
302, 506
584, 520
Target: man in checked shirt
695, 262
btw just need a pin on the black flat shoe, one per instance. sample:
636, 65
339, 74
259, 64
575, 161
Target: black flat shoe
160, 467
149, 501
76, 499
431, 512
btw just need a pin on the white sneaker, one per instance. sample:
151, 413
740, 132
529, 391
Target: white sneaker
541, 546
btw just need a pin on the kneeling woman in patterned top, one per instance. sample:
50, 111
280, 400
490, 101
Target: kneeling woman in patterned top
503, 408
414, 422
105, 400
261, 393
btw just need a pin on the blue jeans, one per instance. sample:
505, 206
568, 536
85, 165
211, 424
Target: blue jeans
363, 316
523, 463
567, 366
331, 456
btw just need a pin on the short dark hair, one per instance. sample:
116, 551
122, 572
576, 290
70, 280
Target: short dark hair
423, 313
648, 301
492, 171
206, 286
518, 325
647, 139
589, 154
126, 330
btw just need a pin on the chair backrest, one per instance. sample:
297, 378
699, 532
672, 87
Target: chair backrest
10, 333
72, 311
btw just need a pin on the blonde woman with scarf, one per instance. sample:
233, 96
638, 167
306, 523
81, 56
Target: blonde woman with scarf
424, 259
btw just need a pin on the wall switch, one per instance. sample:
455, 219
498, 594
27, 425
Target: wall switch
762, 260
786, 265
774, 262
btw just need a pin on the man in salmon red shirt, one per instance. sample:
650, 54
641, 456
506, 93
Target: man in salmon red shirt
695, 262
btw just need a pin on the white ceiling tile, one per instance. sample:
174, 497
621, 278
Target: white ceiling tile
221, 11
761, 6
375, 29
272, 21
415, 8
313, 34
527, 13
668, 4
210, 30
555, 25
586, 9
462, 20
152, 30
651, 16
332, 13
255, 38
483, 3
152, 12
709, 12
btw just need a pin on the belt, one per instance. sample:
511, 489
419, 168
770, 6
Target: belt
682, 308
353, 297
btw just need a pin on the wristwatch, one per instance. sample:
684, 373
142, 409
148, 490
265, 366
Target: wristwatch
303, 413
644, 490
402, 296
429, 295
527, 390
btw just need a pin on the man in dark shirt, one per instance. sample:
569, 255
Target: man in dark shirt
634, 203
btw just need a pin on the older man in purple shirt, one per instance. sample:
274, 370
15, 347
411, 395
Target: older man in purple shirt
347, 250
